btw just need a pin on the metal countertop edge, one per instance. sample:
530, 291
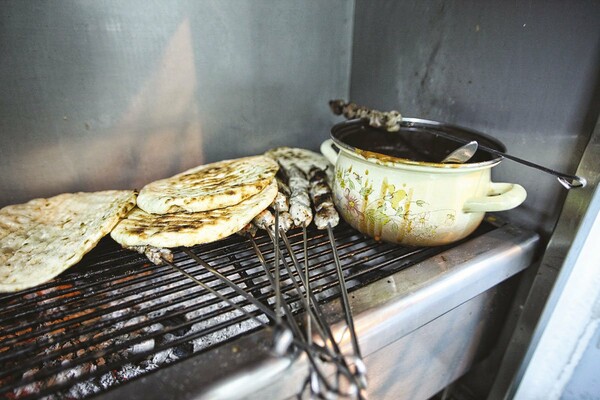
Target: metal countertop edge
415, 296
384, 311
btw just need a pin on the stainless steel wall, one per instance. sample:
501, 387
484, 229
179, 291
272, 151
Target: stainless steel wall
527, 73
112, 94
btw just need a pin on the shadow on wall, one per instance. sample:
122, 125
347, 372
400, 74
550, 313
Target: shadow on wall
168, 95
113, 95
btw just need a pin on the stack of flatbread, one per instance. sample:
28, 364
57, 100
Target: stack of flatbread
201, 205
42, 238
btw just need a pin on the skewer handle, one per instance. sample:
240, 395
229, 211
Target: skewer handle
566, 180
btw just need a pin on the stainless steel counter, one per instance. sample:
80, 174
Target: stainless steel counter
419, 329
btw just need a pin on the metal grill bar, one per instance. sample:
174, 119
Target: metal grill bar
69, 336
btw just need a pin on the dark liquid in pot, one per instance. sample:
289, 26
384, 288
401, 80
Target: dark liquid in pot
409, 144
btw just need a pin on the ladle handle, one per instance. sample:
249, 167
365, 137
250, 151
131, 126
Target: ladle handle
567, 180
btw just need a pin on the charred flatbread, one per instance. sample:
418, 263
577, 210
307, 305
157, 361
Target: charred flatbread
208, 187
43, 237
188, 229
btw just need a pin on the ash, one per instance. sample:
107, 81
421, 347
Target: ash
145, 344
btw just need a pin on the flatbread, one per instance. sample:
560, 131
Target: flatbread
43, 237
208, 187
188, 229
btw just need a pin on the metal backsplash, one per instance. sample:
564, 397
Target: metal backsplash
527, 73
112, 94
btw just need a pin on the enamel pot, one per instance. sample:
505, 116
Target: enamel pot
392, 187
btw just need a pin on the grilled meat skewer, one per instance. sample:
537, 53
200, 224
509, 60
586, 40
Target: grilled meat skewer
320, 193
299, 199
280, 203
266, 220
154, 254
301, 158
249, 230
389, 120
282, 200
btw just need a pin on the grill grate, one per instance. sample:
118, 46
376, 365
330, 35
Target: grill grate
115, 316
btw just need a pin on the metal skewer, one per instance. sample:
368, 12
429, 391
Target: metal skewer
342, 366
314, 313
312, 379
283, 338
568, 181
216, 293
277, 283
317, 377
268, 312
394, 124
308, 300
307, 290
357, 357
317, 313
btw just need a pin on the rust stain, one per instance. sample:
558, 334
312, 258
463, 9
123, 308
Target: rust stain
406, 227
378, 156
383, 159
362, 221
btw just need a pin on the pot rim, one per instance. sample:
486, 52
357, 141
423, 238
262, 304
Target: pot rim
398, 162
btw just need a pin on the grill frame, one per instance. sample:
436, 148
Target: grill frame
88, 291
419, 329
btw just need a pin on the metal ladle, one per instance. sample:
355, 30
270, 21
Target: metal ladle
462, 154
566, 180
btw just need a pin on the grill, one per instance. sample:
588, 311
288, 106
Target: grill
115, 316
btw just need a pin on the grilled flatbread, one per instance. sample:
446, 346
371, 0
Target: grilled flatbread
187, 229
208, 187
43, 237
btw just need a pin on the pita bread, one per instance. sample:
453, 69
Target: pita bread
188, 229
208, 187
42, 238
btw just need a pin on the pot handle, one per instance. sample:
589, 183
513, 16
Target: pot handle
501, 196
327, 149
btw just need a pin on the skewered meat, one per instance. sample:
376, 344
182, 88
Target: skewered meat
154, 254
249, 230
297, 164
389, 120
285, 221
299, 200
281, 203
320, 193
284, 189
301, 158
266, 220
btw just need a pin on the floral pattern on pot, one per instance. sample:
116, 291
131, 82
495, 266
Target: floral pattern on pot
392, 213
